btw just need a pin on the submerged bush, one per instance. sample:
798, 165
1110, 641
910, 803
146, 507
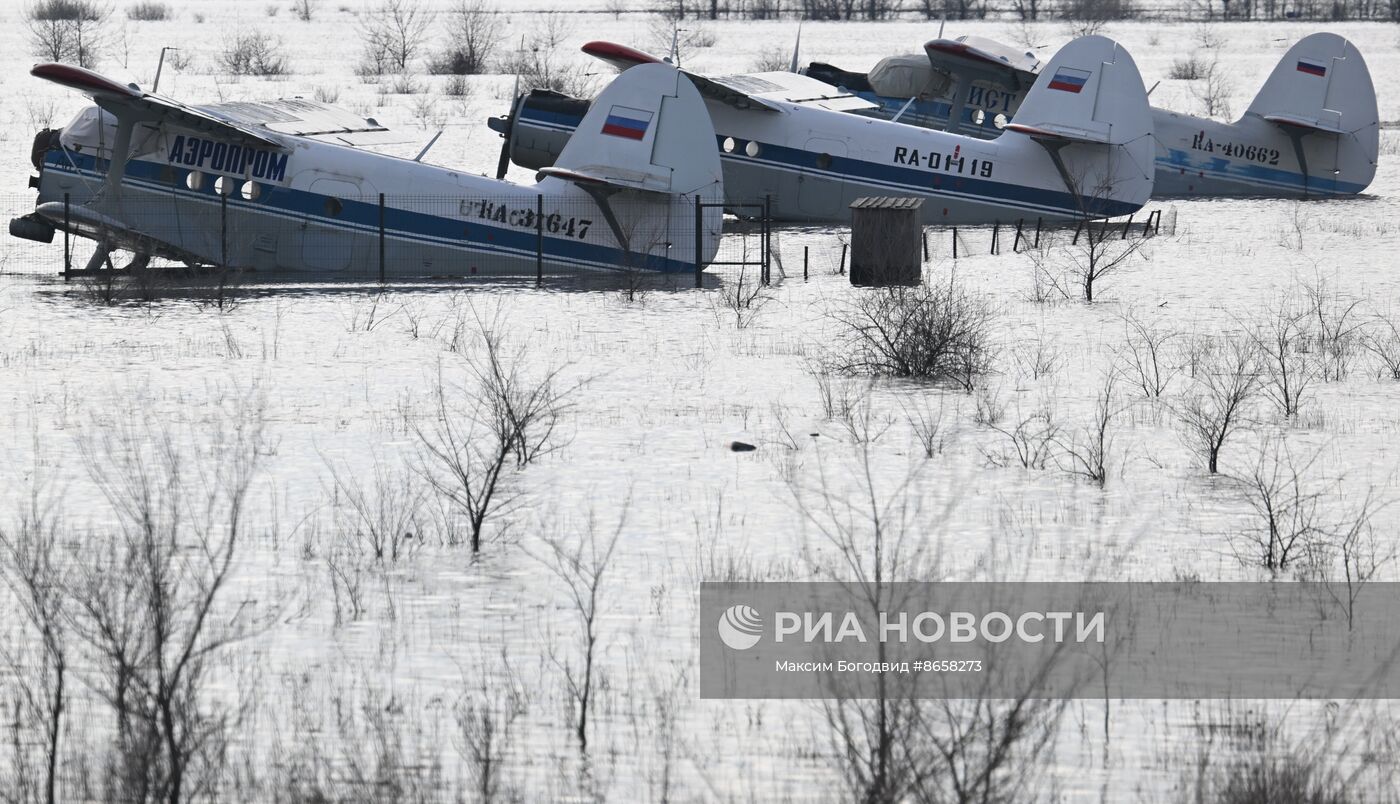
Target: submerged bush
935, 332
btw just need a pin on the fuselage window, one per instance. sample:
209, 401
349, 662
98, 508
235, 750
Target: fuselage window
334, 207
999, 121
195, 180
223, 185
250, 191
729, 145
751, 149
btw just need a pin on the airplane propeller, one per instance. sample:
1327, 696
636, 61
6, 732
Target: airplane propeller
796, 48
503, 163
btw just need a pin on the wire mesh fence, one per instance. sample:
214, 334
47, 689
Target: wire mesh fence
326, 236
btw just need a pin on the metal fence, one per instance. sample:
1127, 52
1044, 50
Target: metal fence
326, 237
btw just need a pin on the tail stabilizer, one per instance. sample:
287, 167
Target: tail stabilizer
1322, 90
646, 152
1088, 108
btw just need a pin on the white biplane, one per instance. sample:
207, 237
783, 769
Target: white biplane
1081, 146
293, 185
1312, 130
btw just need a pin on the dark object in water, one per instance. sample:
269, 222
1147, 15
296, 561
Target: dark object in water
740, 446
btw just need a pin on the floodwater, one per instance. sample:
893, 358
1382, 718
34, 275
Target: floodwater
664, 384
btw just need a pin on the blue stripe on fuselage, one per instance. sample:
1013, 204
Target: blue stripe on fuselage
929, 183
363, 217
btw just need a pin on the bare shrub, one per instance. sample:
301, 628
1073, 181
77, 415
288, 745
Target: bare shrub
1098, 250
744, 296
927, 426
773, 59
148, 11
35, 570
473, 33
1089, 452
1383, 341
889, 745
1032, 438
581, 563
67, 30
537, 62
935, 332
391, 35
1211, 411
1087, 17
1338, 328
486, 733
1190, 68
1286, 507
147, 597
254, 53
1145, 358
382, 517
1212, 90
477, 427
304, 10
1282, 340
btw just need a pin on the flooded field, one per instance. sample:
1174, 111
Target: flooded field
374, 655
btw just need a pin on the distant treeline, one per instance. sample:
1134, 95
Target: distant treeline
1028, 10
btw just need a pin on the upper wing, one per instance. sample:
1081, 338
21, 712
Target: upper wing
113, 96
764, 92
981, 55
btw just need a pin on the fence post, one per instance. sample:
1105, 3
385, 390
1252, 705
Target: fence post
841, 267
699, 239
539, 239
955, 242
67, 243
767, 239
1016, 243
1126, 227
804, 262
1037, 233
924, 232
996, 233
223, 231
1077, 226
381, 238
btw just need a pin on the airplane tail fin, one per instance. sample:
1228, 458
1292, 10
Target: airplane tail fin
1321, 95
647, 142
1089, 109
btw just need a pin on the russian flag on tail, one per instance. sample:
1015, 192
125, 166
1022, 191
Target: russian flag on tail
627, 123
1069, 80
1312, 67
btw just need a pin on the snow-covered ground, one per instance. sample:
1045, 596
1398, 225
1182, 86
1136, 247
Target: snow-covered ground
665, 383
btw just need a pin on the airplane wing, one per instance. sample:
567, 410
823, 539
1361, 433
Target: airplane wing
763, 92
109, 93
980, 54
619, 56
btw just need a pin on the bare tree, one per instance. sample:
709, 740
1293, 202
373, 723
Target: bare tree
1383, 341
67, 30
476, 428
391, 36
582, 565
473, 33
1145, 357
147, 597
1286, 506
1098, 250
1282, 340
486, 731
304, 9
32, 566
1337, 328
1216, 406
1090, 451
